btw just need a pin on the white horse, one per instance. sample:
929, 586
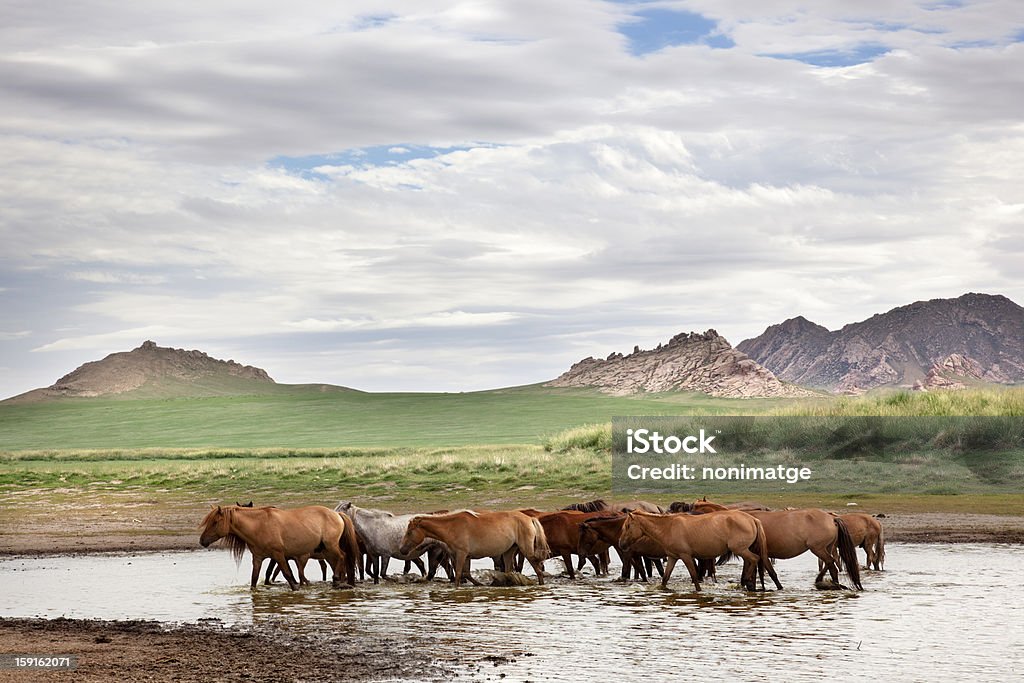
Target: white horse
382, 533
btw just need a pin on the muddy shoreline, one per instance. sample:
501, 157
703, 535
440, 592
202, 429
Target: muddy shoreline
153, 651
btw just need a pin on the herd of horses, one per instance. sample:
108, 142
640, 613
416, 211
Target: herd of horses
646, 537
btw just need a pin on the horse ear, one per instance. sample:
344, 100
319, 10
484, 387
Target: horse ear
704, 499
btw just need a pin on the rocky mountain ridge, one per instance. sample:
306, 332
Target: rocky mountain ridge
981, 333
699, 362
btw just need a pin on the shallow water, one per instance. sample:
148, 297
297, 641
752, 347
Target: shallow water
936, 610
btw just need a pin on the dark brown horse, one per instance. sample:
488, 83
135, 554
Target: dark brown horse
601, 505
686, 538
606, 531
279, 534
562, 530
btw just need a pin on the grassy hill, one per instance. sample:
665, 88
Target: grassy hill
316, 416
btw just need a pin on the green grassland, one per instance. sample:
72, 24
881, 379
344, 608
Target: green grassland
314, 417
525, 445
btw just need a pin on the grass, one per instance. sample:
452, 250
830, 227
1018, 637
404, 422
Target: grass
520, 446
305, 417
990, 401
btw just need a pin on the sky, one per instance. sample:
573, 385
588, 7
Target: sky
452, 196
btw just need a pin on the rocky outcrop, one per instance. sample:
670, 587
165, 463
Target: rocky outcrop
127, 371
704, 363
954, 372
898, 348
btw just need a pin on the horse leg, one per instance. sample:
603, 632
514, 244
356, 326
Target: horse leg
300, 565
385, 560
659, 566
272, 573
419, 565
282, 563
323, 570
468, 573
750, 563
668, 571
827, 562
538, 569
567, 559
605, 561
692, 567
373, 566
257, 562
640, 569
596, 561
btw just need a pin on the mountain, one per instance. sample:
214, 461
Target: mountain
152, 370
704, 363
978, 337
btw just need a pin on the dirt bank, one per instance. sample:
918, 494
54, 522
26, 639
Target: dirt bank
150, 651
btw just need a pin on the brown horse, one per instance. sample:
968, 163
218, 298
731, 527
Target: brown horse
475, 534
280, 534
866, 532
562, 530
601, 505
686, 538
794, 532
606, 531
745, 506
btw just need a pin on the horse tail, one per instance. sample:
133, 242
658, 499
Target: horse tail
764, 562
349, 545
880, 547
725, 558
848, 553
541, 550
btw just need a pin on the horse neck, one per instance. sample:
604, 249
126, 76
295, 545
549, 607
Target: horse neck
646, 523
609, 530
244, 524
429, 526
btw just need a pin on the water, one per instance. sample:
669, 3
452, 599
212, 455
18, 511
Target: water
937, 610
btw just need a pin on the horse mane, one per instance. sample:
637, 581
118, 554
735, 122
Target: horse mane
237, 547
679, 506
591, 506
235, 544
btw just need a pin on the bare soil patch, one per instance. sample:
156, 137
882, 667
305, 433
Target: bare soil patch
150, 651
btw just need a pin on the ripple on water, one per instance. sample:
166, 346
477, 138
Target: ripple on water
908, 623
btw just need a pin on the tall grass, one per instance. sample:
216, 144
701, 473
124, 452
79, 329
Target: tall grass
992, 401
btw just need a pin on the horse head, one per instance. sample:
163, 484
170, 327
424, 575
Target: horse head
631, 532
344, 506
588, 539
414, 535
679, 506
216, 525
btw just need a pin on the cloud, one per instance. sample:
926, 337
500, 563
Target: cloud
468, 195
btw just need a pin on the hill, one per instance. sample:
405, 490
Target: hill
704, 363
973, 339
152, 371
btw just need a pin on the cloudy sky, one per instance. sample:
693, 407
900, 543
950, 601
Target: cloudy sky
461, 195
